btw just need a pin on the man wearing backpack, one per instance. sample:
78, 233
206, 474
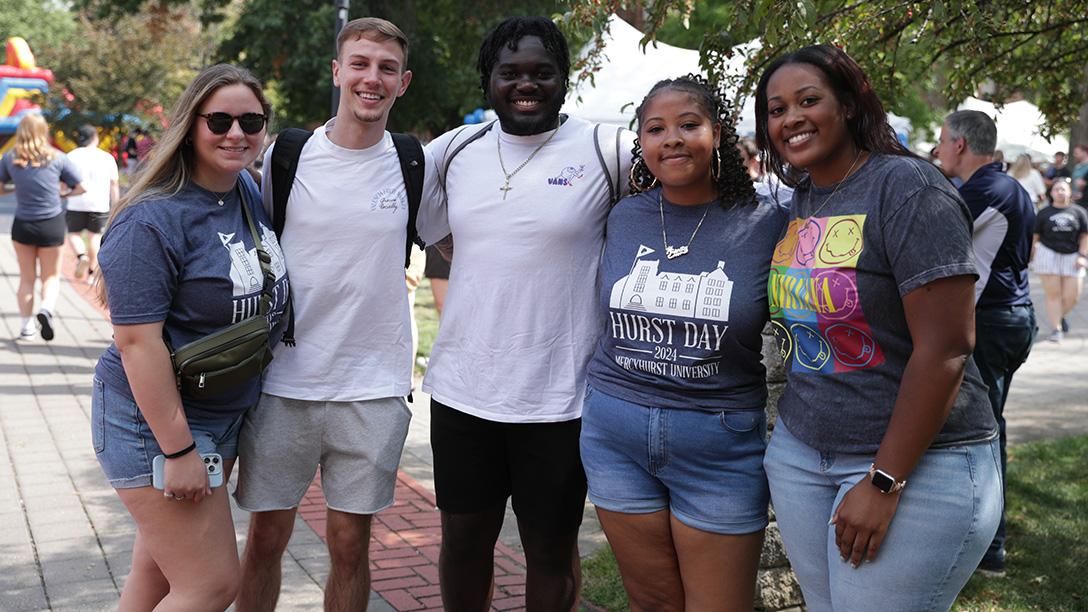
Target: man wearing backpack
528, 196
336, 399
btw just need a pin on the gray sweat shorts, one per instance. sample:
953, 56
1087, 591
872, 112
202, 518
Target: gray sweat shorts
357, 445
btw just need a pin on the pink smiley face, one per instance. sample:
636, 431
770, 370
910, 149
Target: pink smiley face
808, 238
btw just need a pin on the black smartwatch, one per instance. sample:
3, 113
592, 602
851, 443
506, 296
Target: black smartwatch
885, 482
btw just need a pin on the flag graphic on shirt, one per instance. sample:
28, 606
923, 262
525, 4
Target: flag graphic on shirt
812, 290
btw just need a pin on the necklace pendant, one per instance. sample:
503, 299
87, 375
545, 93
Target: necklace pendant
674, 252
220, 202
505, 189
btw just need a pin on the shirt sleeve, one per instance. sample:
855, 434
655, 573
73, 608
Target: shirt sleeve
929, 238
141, 270
68, 171
1040, 222
432, 222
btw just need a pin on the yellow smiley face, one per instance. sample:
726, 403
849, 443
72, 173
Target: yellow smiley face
843, 242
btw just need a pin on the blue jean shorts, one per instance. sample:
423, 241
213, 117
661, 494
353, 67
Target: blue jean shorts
705, 467
125, 446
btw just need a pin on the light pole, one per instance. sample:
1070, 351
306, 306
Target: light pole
341, 21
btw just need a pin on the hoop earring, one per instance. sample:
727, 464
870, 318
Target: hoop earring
716, 166
635, 170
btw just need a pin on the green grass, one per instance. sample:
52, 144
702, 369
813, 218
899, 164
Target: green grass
1047, 539
426, 320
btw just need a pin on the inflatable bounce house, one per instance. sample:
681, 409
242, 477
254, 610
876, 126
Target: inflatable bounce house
20, 79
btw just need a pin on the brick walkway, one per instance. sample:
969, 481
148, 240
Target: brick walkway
404, 550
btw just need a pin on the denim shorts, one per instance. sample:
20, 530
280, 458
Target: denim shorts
705, 467
125, 446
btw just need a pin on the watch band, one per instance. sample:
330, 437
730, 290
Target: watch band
884, 482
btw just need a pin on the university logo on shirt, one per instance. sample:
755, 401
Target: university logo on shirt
693, 317
812, 290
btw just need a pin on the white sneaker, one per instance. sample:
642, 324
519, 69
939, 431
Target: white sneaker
82, 266
1055, 336
30, 329
45, 319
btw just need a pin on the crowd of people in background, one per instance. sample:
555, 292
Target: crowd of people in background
886, 464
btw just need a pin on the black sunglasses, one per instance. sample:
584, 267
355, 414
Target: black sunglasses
220, 123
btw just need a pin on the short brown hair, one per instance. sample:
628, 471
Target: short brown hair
375, 29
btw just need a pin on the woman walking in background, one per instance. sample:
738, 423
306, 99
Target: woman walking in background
38, 170
1059, 255
884, 462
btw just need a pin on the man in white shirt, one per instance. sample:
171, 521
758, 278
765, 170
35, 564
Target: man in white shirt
336, 400
527, 197
90, 210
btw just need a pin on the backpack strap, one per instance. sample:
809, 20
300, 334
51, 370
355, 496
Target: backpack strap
410, 154
284, 165
448, 159
613, 182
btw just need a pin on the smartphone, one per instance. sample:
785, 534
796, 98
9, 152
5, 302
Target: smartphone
212, 462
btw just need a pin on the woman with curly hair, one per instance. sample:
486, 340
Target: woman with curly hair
673, 426
38, 172
883, 465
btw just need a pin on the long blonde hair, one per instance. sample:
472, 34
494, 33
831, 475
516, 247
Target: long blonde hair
1022, 167
169, 165
32, 146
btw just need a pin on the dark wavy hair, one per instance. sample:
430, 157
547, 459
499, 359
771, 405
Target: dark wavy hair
509, 31
732, 183
868, 127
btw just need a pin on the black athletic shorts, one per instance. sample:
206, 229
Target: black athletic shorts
41, 233
93, 222
437, 266
480, 463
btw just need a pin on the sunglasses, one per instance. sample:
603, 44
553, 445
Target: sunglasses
220, 123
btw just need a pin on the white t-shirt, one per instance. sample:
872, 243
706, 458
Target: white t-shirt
1034, 185
521, 320
97, 168
343, 241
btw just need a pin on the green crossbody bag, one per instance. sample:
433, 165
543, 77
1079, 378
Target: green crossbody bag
233, 355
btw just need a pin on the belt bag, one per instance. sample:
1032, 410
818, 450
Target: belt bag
234, 355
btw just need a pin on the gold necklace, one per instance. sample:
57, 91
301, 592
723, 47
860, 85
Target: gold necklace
509, 175
837, 185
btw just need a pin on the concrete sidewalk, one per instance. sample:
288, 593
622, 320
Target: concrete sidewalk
65, 539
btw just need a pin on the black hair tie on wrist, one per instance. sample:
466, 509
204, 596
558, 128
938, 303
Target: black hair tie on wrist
182, 452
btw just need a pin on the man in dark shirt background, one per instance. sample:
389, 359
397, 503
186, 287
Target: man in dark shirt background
1003, 220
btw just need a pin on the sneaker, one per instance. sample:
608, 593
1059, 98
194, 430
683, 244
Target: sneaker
30, 329
1065, 326
82, 266
991, 568
45, 318
1055, 336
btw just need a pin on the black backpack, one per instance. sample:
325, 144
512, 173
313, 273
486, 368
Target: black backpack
284, 165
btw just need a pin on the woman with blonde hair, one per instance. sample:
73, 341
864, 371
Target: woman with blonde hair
38, 232
1029, 178
179, 261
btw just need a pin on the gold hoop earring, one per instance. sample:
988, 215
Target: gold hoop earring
634, 181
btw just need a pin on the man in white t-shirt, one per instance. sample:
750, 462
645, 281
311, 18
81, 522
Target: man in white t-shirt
90, 210
336, 400
527, 197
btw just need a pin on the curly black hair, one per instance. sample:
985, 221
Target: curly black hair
509, 31
732, 182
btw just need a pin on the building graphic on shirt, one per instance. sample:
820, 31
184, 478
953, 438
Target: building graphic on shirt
696, 296
245, 268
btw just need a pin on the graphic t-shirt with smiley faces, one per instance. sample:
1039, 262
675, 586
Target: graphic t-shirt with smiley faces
835, 291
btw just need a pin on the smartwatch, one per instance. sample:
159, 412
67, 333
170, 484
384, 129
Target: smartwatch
885, 482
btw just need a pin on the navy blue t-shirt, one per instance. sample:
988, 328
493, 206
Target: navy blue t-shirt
685, 332
189, 262
992, 195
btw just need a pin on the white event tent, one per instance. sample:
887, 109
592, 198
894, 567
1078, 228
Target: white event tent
1018, 125
628, 72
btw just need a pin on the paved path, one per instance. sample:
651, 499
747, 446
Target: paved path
65, 539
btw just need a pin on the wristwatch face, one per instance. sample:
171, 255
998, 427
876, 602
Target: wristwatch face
883, 481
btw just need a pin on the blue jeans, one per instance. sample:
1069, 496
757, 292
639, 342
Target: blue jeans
946, 517
1003, 337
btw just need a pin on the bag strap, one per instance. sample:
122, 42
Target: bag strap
410, 155
284, 165
448, 159
614, 188
262, 256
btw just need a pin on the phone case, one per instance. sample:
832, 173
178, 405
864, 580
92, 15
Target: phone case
212, 461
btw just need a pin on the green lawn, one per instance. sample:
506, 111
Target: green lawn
1047, 539
426, 320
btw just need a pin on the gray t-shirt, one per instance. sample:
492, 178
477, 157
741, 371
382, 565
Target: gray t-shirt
685, 332
837, 280
188, 262
37, 190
